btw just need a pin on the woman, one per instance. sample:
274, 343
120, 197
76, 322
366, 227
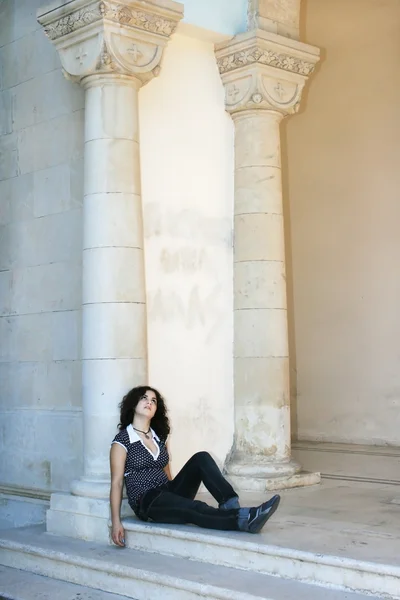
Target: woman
139, 455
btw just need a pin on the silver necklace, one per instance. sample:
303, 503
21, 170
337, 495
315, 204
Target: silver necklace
145, 433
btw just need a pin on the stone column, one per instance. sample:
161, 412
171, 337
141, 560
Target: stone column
264, 75
111, 49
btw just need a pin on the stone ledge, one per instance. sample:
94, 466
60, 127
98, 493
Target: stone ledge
19, 491
350, 462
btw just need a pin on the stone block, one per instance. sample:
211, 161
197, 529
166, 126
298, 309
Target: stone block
5, 337
5, 399
112, 166
54, 385
259, 284
114, 331
24, 98
109, 381
51, 143
106, 278
6, 279
76, 182
31, 337
262, 429
261, 333
58, 435
27, 469
22, 197
18, 384
56, 96
18, 61
105, 119
117, 221
259, 237
26, 58
58, 385
55, 238
16, 199
46, 288
5, 201
257, 140
79, 526
46, 56
258, 190
8, 156
6, 23
66, 335
52, 191
5, 256
20, 512
25, 17
68, 503
260, 380
6, 113
47, 443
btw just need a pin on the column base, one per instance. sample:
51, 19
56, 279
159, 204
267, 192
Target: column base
91, 488
256, 474
82, 517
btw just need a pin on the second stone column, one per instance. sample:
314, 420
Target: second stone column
264, 75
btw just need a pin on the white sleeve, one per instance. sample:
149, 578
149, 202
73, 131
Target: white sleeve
119, 443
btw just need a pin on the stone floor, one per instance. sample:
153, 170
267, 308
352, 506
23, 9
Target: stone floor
21, 585
341, 518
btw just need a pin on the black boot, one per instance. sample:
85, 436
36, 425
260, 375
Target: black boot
252, 520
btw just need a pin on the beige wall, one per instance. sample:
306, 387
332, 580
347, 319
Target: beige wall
343, 184
187, 182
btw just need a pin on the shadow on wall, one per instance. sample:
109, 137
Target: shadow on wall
288, 227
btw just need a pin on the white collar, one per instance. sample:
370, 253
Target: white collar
133, 436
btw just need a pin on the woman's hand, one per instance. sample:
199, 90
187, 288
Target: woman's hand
117, 464
118, 534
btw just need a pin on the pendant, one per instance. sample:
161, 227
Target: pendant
146, 436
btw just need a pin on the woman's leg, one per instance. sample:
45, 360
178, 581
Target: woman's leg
163, 506
202, 468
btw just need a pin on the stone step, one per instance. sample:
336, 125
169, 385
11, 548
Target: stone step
22, 585
145, 575
238, 550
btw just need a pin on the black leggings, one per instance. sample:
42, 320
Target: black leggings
175, 503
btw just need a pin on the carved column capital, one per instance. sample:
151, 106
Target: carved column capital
261, 70
124, 37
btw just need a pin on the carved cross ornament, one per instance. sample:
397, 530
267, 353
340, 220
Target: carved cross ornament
81, 55
135, 53
264, 71
108, 36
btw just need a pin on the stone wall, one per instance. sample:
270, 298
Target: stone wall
41, 187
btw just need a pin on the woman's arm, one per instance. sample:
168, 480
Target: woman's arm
117, 465
167, 469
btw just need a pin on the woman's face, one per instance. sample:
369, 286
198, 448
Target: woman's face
147, 405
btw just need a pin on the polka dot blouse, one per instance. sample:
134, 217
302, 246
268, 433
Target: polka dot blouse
143, 470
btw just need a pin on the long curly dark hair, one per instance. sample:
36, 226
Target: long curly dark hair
160, 421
